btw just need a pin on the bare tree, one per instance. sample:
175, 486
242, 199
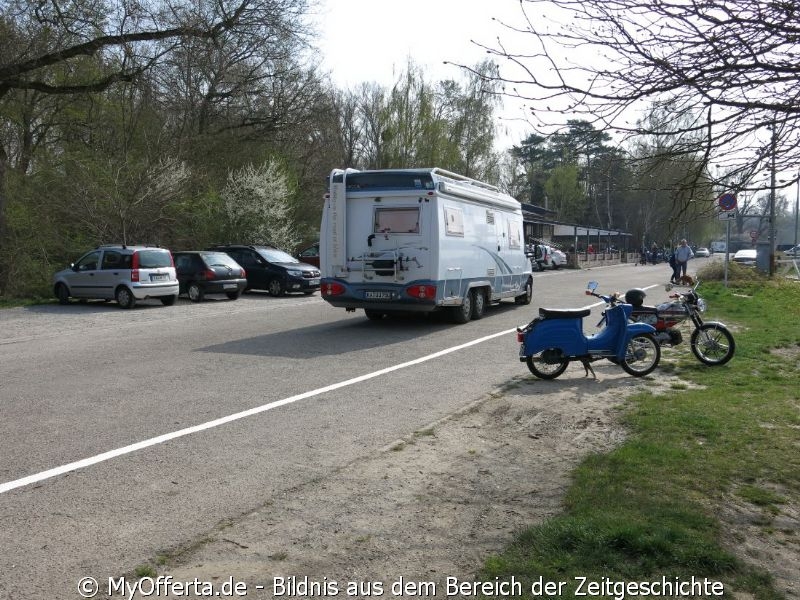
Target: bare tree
54, 48
728, 70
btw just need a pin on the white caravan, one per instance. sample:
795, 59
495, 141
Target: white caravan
421, 240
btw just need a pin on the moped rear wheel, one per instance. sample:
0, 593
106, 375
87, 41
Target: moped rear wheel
641, 355
712, 344
548, 369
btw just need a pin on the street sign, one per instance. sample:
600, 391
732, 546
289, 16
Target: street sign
729, 215
727, 201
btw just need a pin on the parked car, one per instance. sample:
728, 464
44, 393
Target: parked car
310, 255
558, 258
202, 272
544, 257
269, 268
119, 272
702, 252
746, 256
793, 252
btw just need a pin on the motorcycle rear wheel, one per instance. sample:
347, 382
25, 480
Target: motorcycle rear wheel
712, 344
545, 370
641, 355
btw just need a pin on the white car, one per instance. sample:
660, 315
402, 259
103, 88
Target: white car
558, 258
119, 272
746, 257
792, 252
546, 257
702, 252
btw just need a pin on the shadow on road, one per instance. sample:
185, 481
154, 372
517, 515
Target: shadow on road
350, 335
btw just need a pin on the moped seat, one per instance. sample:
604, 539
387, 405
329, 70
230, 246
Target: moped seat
564, 313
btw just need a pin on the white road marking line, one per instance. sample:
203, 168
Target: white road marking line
93, 460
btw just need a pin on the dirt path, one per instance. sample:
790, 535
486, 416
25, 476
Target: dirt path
428, 507
437, 504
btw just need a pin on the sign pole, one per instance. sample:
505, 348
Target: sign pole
727, 248
727, 204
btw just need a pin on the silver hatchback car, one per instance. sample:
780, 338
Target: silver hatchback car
119, 272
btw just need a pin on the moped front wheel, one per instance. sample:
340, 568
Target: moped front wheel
546, 369
712, 344
641, 355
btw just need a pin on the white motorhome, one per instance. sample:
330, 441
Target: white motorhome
421, 240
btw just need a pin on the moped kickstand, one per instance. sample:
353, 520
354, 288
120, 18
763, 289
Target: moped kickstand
588, 367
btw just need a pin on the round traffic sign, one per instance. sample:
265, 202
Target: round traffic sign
727, 201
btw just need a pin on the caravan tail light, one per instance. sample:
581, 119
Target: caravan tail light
421, 292
332, 289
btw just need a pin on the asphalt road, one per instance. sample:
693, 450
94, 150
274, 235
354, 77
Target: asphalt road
97, 383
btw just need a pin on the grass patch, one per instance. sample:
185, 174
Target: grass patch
8, 302
145, 571
649, 508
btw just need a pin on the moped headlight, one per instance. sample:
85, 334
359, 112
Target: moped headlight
701, 305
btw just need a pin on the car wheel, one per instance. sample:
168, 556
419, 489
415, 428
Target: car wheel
233, 295
62, 293
168, 300
195, 292
125, 297
275, 288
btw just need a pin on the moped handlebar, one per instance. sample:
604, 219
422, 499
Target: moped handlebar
614, 299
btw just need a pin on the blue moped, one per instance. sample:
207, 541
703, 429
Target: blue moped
555, 338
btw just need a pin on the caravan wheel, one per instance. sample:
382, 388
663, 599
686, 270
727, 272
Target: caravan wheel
478, 304
462, 314
528, 295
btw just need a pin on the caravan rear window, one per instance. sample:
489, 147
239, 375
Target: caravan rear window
397, 220
388, 180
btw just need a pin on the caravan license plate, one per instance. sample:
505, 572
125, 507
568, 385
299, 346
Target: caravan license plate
378, 295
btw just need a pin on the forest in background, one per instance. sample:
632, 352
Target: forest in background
189, 125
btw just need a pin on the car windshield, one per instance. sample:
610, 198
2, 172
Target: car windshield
277, 256
154, 259
219, 259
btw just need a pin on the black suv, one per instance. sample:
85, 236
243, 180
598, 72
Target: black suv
202, 272
274, 270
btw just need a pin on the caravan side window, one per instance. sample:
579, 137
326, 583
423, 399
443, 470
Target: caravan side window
397, 220
514, 235
453, 221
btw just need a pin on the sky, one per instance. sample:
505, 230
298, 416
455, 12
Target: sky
372, 41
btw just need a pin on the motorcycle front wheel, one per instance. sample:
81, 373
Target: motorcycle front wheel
712, 344
545, 370
641, 355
